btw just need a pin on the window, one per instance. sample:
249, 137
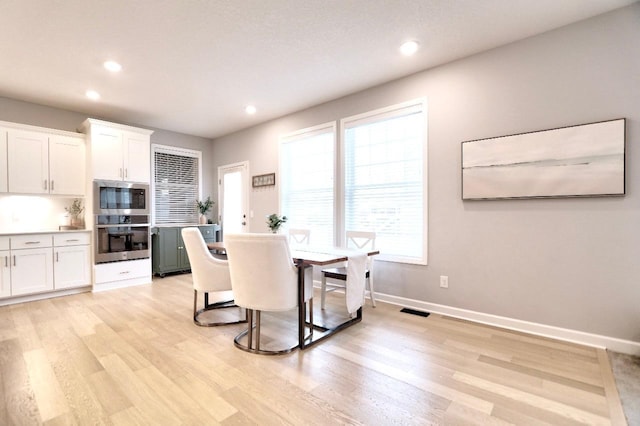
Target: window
380, 186
307, 184
385, 179
176, 184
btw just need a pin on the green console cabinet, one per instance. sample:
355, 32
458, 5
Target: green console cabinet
168, 253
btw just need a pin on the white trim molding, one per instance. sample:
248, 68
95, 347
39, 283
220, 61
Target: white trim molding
574, 336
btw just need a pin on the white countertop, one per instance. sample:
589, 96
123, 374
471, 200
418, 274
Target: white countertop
53, 231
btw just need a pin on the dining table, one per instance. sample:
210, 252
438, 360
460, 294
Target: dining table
304, 257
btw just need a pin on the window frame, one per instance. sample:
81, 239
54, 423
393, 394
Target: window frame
328, 127
339, 128
373, 116
173, 150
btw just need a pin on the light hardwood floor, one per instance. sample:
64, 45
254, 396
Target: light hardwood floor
134, 356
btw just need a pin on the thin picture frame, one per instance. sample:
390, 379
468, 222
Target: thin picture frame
586, 160
268, 179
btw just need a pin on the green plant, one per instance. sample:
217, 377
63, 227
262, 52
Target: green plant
204, 206
274, 222
76, 208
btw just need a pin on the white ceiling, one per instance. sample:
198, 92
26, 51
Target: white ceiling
191, 66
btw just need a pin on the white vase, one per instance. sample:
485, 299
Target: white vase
203, 219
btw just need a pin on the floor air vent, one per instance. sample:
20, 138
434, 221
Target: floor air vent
414, 312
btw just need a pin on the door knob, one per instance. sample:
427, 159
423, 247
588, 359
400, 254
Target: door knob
244, 223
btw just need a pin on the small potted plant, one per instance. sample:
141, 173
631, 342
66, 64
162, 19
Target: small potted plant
75, 210
275, 222
203, 208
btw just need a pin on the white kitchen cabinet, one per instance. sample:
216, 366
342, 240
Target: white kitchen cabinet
28, 162
5, 268
31, 271
43, 163
106, 153
72, 260
5, 274
31, 264
67, 161
112, 275
3, 160
137, 157
119, 152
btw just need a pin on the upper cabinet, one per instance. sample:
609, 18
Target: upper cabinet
39, 162
67, 161
119, 152
28, 154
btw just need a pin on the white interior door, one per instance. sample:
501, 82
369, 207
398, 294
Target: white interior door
233, 197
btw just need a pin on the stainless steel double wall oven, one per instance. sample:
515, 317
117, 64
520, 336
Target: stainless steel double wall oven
122, 223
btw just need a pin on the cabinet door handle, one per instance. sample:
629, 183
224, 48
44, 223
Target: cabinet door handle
14, 260
45, 184
72, 241
52, 185
124, 272
120, 172
32, 242
126, 172
6, 261
57, 257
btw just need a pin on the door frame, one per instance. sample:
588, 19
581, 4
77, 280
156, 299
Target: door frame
245, 190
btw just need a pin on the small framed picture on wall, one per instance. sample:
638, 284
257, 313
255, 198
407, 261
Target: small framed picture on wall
264, 180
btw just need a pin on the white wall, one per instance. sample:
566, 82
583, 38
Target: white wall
567, 263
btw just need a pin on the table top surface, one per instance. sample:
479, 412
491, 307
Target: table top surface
312, 255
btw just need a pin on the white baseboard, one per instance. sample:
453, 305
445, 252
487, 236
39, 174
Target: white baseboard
595, 340
42, 296
605, 342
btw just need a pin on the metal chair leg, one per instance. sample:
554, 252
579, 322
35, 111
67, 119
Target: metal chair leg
209, 307
258, 330
250, 329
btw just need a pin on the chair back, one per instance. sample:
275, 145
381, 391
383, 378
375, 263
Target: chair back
208, 273
299, 236
361, 240
263, 275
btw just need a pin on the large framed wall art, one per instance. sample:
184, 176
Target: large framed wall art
578, 161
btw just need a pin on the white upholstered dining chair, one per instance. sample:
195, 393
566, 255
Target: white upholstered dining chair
360, 240
264, 278
210, 276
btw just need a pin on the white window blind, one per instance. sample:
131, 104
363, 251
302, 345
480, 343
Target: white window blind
385, 180
307, 161
176, 185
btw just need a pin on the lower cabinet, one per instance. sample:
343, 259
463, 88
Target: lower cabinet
5, 265
5, 274
38, 263
31, 271
121, 274
31, 264
72, 261
168, 252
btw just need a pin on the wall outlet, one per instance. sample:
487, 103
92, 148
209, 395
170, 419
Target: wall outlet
444, 281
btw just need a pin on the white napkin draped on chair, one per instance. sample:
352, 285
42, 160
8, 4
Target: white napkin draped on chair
356, 268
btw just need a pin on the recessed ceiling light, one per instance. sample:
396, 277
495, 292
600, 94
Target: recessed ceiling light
409, 48
93, 95
250, 109
112, 66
